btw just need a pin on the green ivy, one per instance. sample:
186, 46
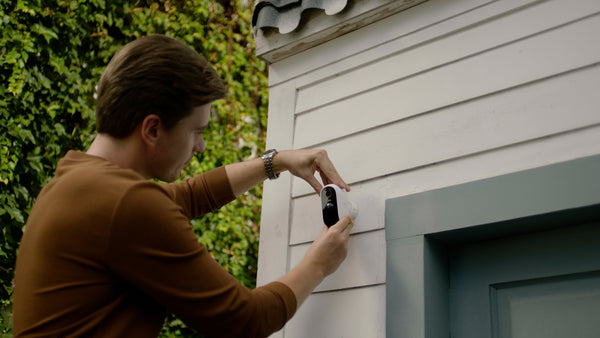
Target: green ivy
52, 54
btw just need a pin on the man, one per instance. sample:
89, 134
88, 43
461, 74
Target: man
106, 252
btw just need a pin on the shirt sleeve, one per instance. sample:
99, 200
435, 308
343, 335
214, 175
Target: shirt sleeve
203, 193
153, 247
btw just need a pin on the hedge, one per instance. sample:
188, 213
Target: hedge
52, 54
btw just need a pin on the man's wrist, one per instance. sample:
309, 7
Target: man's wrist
278, 161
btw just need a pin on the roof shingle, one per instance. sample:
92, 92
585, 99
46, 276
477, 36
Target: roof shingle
285, 15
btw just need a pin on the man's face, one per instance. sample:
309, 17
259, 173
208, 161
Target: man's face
177, 146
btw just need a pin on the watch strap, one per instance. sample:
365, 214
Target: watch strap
267, 158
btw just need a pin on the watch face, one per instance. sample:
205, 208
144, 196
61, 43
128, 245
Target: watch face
269, 152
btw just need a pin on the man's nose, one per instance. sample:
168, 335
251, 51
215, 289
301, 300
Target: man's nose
200, 146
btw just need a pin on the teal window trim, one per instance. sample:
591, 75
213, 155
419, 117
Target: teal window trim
572, 185
420, 228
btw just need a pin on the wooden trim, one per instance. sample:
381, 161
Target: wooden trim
572, 185
319, 28
421, 227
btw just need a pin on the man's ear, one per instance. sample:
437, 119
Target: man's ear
150, 129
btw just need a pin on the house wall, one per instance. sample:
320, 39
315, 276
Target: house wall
440, 94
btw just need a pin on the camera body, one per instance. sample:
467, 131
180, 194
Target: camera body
335, 204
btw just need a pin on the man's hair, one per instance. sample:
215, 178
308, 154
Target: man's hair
153, 75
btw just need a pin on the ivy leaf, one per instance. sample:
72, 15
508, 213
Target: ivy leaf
26, 134
47, 33
15, 214
60, 129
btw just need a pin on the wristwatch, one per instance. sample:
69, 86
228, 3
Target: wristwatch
267, 158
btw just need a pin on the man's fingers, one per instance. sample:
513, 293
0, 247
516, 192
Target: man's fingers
326, 180
314, 183
329, 175
344, 224
350, 223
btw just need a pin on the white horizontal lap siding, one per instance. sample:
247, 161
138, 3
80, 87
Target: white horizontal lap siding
557, 105
517, 157
541, 56
363, 45
364, 265
347, 313
449, 41
532, 88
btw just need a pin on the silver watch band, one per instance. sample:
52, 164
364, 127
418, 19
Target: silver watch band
267, 158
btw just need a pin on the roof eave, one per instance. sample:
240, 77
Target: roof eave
317, 27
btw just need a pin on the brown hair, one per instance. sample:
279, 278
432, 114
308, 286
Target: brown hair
153, 75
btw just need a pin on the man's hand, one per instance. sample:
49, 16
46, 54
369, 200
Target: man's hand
329, 250
301, 163
304, 163
323, 257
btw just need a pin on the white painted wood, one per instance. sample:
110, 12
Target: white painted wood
364, 265
349, 313
421, 25
489, 32
566, 48
542, 109
369, 38
514, 158
274, 228
307, 219
518, 157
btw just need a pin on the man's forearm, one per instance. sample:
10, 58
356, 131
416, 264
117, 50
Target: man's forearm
245, 175
302, 280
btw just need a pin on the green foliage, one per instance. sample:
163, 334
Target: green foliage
52, 54
46, 85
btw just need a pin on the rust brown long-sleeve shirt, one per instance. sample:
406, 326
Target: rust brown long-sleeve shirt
105, 253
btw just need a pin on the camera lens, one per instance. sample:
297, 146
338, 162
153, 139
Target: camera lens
330, 214
328, 192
